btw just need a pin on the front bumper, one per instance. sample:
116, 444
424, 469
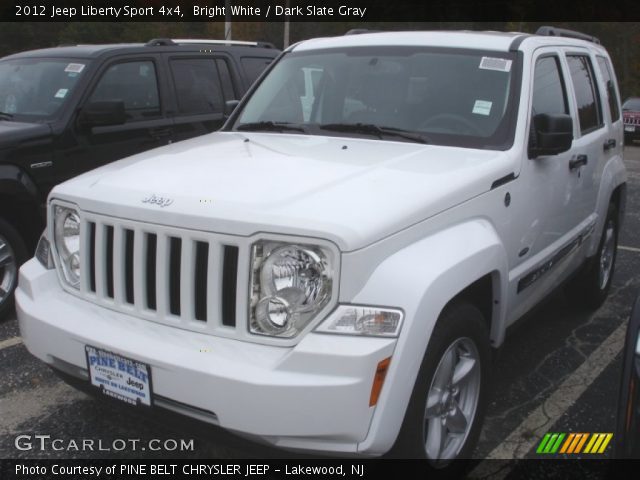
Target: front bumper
313, 396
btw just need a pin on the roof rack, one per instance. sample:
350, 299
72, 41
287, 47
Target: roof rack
163, 42
563, 32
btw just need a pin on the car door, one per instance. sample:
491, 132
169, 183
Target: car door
593, 133
545, 219
135, 82
201, 85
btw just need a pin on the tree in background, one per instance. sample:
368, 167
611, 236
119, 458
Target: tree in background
622, 39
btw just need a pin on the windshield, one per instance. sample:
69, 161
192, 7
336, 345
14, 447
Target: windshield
442, 96
35, 88
632, 104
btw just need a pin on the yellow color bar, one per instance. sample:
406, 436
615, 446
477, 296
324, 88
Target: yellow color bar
594, 437
606, 441
596, 445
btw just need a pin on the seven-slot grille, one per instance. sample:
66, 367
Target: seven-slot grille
180, 277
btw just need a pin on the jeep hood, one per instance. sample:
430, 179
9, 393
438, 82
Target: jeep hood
350, 191
12, 133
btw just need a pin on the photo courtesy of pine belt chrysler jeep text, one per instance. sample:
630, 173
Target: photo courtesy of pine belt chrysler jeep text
332, 271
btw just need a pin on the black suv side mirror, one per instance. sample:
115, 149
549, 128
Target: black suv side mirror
552, 134
102, 114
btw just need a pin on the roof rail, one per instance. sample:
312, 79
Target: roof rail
359, 31
563, 32
204, 41
159, 42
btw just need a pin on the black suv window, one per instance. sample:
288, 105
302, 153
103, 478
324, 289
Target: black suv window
549, 95
134, 83
589, 113
198, 88
254, 66
612, 95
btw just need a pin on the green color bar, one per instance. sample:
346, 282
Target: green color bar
550, 443
543, 443
555, 448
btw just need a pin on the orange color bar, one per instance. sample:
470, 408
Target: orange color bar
567, 442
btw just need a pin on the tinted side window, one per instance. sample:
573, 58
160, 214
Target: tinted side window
612, 95
198, 88
549, 94
226, 80
135, 84
589, 113
254, 66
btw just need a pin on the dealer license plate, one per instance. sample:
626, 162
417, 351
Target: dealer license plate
629, 128
119, 377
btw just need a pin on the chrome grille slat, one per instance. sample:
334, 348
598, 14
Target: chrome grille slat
214, 283
100, 266
162, 275
118, 265
139, 266
187, 264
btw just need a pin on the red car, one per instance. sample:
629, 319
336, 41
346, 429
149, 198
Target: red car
631, 116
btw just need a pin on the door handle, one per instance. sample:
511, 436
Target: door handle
609, 144
578, 162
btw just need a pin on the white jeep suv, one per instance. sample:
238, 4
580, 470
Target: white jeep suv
332, 270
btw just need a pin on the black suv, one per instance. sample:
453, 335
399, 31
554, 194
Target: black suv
70, 109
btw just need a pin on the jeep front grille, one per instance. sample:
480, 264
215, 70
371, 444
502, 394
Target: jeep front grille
180, 277
631, 120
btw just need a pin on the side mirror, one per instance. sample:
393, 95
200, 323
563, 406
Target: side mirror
229, 107
102, 114
552, 134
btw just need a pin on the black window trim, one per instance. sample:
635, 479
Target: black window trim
595, 85
611, 73
565, 93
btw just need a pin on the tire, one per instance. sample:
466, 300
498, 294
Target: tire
13, 253
590, 288
459, 338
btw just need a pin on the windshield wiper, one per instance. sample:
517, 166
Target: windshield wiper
272, 126
372, 129
6, 116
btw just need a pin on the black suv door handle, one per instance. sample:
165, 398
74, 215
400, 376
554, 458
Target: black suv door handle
578, 162
609, 144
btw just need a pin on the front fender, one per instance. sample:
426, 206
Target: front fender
421, 279
613, 175
14, 181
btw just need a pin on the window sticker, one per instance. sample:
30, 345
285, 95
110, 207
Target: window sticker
497, 64
61, 93
74, 67
482, 107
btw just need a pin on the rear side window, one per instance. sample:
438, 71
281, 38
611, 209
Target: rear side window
549, 95
198, 88
254, 66
587, 99
134, 83
612, 94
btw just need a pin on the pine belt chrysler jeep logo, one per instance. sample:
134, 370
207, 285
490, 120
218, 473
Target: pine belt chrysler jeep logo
155, 200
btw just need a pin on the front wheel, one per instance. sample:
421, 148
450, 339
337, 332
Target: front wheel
444, 417
591, 287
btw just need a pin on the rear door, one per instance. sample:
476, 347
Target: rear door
200, 86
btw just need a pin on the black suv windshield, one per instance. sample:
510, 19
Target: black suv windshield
34, 89
442, 96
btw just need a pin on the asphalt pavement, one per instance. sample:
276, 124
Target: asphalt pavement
559, 371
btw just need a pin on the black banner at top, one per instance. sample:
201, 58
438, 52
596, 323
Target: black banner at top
317, 10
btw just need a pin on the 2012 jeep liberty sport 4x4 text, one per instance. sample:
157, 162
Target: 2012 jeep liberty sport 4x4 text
331, 272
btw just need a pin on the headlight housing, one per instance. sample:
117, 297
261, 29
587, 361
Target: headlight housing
66, 226
290, 285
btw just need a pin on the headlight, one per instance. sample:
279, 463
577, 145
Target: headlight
290, 284
66, 224
363, 320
